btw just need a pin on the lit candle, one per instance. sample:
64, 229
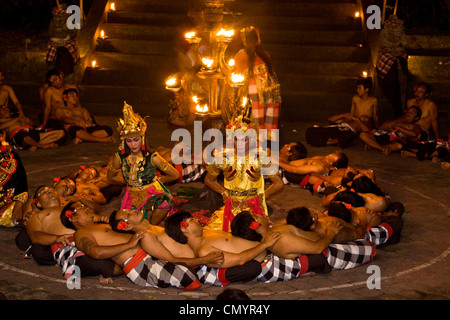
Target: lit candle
93, 63
112, 6
102, 34
171, 82
237, 78
225, 33
190, 35
357, 14
244, 101
201, 109
364, 74
207, 62
231, 63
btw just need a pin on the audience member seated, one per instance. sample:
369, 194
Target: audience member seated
394, 134
79, 123
428, 119
24, 135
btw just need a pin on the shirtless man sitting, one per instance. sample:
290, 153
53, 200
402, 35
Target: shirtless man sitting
21, 131
429, 109
78, 122
394, 134
363, 103
6, 93
53, 98
44, 229
141, 251
183, 228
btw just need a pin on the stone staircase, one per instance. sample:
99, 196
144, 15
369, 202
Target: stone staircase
318, 50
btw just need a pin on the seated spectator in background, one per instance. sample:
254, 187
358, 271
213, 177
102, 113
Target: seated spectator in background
24, 135
363, 103
344, 132
394, 134
53, 98
79, 123
429, 110
7, 93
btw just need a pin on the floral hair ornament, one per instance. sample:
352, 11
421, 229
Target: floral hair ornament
82, 167
35, 200
254, 225
69, 213
56, 179
122, 225
183, 224
348, 206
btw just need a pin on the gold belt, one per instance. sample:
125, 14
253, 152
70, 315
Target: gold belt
236, 193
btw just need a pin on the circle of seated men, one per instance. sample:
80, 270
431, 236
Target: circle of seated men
68, 227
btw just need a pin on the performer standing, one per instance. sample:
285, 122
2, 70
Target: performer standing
243, 187
262, 83
136, 166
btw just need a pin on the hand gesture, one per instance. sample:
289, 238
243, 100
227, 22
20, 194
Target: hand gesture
64, 239
272, 238
214, 257
135, 238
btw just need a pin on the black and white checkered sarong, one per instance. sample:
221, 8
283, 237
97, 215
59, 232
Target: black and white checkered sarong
280, 269
349, 255
380, 234
146, 271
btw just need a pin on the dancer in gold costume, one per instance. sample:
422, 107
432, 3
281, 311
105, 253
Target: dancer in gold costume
138, 167
243, 187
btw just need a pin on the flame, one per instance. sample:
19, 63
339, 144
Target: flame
202, 109
356, 14
208, 62
93, 63
171, 82
102, 34
237, 78
195, 99
113, 6
190, 35
244, 101
231, 63
364, 74
225, 33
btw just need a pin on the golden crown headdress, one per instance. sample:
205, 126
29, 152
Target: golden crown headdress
132, 124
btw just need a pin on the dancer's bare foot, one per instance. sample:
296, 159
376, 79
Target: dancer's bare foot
386, 152
407, 154
77, 141
33, 149
445, 165
105, 280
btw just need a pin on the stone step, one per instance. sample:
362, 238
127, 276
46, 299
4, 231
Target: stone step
153, 47
318, 52
299, 68
139, 32
170, 33
285, 9
118, 60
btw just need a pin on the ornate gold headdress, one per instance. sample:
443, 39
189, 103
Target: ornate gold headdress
132, 125
246, 31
